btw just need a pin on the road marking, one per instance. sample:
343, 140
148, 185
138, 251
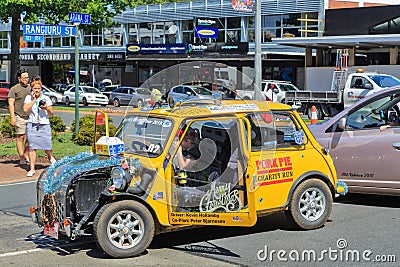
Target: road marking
20, 252
18, 183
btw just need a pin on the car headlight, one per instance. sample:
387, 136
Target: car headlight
118, 176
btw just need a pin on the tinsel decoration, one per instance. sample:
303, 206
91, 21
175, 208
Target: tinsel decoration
63, 170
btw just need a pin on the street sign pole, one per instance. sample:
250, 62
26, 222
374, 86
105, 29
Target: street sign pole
257, 55
77, 18
76, 77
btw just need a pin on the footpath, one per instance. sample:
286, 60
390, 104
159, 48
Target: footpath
12, 172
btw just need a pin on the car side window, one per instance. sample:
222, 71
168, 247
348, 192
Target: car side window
274, 130
359, 82
179, 90
383, 111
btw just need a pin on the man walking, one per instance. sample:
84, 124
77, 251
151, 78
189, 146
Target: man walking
19, 119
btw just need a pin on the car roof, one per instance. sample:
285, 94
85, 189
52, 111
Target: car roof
207, 108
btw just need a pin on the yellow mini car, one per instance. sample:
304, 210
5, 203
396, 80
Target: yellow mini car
197, 163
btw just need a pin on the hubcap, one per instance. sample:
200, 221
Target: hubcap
125, 229
312, 204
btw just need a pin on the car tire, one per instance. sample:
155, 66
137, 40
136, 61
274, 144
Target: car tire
134, 223
84, 101
53, 100
67, 102
140, 103
116, 102
310, 205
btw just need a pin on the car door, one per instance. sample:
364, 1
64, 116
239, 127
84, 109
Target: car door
71, 94
360, 87
215, 188
363, 152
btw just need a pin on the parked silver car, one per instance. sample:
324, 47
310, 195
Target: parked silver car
87, 95
132, 96
364, 142
55, 96
182, 93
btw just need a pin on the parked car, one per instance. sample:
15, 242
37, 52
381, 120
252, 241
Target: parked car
182, 93
108, 89
133, 96
364, 149
226, 92
87, 95
55, 96
272, 90
60, 87
4, 88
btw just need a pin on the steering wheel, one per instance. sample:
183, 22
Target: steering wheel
138, 145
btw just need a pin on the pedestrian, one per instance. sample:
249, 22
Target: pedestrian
19, 118
38, 129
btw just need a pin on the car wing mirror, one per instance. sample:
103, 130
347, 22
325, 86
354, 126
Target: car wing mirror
275, 90
342, 123
367, 86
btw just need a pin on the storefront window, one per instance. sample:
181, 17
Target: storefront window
3, 39
133, 33
92, 38
145, 32
113, 36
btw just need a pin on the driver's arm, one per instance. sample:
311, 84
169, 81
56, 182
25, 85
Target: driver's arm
182, 161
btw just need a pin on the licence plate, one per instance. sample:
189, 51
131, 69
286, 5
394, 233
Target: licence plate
52, 231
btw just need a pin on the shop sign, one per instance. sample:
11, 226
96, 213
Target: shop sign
112, 57
232, 48
219, 47
201, 48
137, 49
89, 56
206, 32
27, 57
206, 23
54, 57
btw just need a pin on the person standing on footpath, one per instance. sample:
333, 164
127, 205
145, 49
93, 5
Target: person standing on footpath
38, 130
19, 118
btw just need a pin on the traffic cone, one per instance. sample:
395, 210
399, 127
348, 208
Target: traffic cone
314, 117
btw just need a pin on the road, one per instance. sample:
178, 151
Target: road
361, 225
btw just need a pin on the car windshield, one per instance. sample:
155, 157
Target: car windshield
385, 80
91, 90
143, 91
287, 87
201, 91
144, 135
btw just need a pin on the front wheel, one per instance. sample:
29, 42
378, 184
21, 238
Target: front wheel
311, 204
67, 102
123, 229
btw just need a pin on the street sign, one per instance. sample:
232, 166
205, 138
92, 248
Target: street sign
79, 17
44, 29
32, 38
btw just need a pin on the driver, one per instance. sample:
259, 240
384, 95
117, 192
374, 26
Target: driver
189, 148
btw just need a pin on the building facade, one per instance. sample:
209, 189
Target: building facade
149, 38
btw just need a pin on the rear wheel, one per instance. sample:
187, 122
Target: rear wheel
53, 100
123, 229
84, 101
116, 102
140, 103
311, 204
67, 102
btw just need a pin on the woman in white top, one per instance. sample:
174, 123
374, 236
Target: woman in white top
38, 128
